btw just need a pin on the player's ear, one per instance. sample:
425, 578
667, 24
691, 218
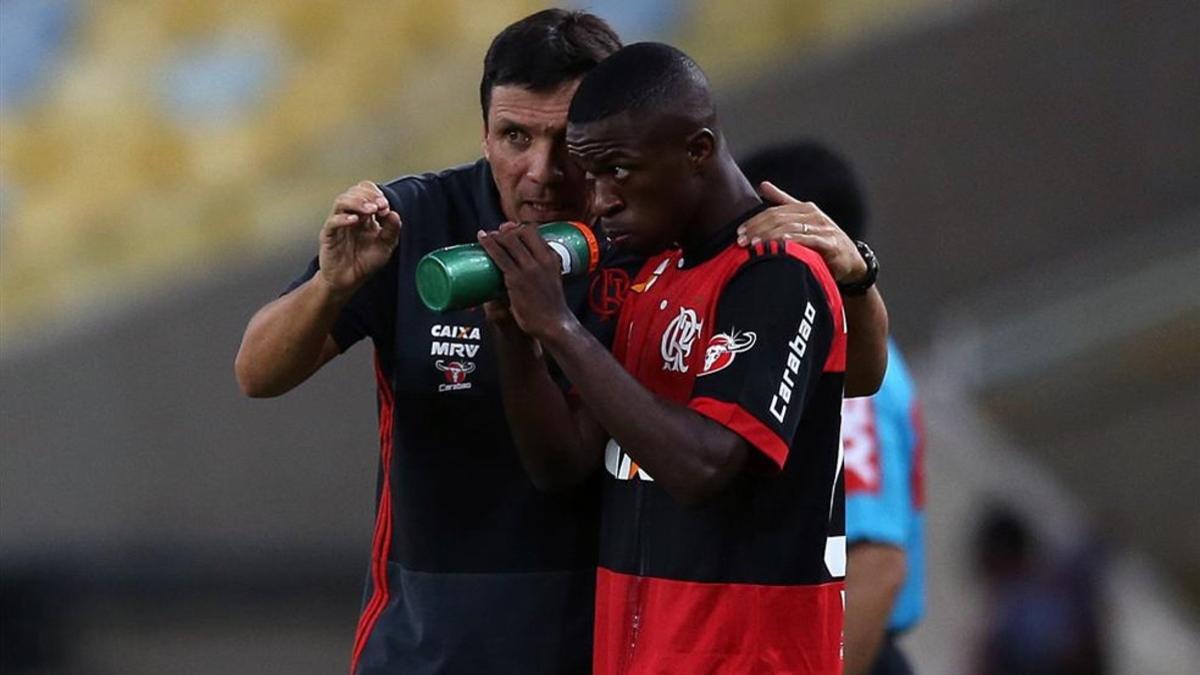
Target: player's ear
701, 146
483, 142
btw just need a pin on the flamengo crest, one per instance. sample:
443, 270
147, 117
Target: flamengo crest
677, 340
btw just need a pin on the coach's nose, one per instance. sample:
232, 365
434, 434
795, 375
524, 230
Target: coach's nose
546, 164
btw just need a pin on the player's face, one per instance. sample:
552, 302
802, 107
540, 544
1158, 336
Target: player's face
641, 188
524, 141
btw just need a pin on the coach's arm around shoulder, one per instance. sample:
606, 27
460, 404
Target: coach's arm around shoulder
866, 315
289, 339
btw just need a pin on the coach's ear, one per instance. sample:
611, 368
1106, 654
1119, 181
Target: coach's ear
701, 146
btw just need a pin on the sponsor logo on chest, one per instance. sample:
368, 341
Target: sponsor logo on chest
723, 347
456, 374
454, 342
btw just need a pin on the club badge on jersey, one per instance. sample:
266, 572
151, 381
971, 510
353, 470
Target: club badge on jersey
677, 340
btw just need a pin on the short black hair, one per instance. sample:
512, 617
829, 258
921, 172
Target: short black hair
545, 50
813, 172
639, 77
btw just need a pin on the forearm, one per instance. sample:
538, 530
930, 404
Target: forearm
550, 445
866, 342
875, 573
288, 339
691, 456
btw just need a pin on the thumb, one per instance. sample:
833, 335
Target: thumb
389, 226
774, 195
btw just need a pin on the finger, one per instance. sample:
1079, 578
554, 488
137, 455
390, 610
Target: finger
774, 195
512, 243
779, 226
505, 227
538, 247
500, 256
822, 244
355, 200
340, 220
389, 226
372, 196
376, 194
757, 228
496, 310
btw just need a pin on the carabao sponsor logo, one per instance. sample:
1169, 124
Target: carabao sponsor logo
796, 351
456, 373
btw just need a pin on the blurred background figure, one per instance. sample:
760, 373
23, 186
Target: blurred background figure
882, 439
1043, 616
1035, 168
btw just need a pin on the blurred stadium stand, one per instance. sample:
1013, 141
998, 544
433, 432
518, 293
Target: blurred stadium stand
1034, 172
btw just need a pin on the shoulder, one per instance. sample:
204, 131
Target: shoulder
782, 262
448, 206
461, 180
788, 255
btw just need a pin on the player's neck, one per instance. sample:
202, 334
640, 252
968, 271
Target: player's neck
730, 195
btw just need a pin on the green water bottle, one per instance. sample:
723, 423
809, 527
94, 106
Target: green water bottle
464, 276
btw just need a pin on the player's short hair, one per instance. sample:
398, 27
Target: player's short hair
545, 50
812, 172
645, 76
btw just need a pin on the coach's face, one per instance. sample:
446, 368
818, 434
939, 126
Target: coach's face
643, 186
524, 141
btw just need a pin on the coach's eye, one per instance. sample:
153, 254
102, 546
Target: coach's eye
620, 172
517, 137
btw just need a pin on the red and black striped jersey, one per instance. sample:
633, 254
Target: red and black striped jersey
750, 581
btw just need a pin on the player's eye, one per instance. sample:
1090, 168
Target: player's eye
620, 172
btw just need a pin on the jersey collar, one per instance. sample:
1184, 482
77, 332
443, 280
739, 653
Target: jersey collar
720, 241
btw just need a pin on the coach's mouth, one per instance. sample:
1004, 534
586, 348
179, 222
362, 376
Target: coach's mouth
546, 211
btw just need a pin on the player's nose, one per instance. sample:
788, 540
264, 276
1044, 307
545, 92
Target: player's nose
606, 202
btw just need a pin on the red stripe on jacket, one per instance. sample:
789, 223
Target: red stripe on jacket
382, 539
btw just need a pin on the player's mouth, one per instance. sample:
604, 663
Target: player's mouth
615, 236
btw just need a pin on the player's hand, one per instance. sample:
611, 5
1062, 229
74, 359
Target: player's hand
533, 276
358, 237
497, 312
804, 223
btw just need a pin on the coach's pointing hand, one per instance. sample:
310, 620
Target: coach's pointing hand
806, 224
533, 276
358, 237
